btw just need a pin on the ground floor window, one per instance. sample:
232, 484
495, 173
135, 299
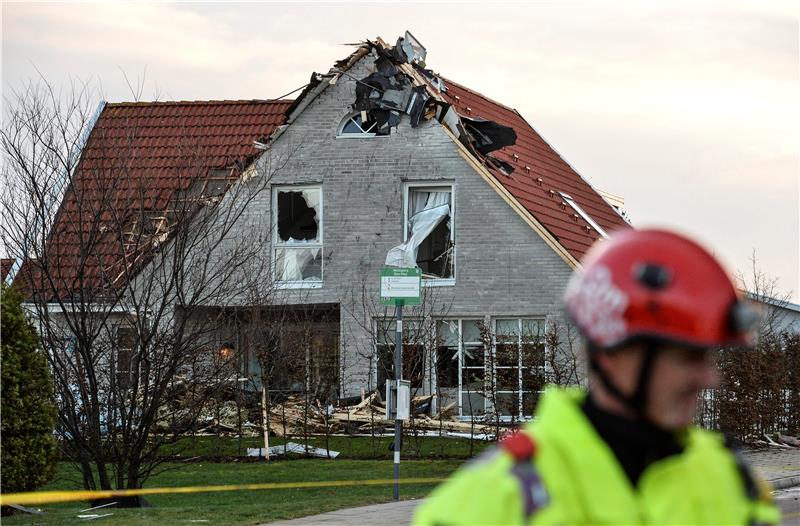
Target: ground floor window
414, 346
497, 368
519, 365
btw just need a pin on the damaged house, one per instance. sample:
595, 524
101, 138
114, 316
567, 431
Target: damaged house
378, 162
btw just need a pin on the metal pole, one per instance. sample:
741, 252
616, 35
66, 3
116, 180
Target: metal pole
398, 375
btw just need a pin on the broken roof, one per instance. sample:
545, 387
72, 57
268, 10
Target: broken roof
165, 146
496, 136
540, 175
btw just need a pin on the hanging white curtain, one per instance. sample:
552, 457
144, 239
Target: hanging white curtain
427, 210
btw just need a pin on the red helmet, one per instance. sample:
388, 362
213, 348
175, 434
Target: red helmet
659, 285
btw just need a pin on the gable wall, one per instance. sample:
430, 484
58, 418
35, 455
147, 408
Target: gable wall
503, 268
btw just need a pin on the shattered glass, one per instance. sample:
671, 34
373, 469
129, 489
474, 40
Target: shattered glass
298, 251
298, 264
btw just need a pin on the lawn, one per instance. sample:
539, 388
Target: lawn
247, 507
349, 447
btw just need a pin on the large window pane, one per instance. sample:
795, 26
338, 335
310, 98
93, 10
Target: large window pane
447, 366
507, 329
473, 356
507, 354
507, 378
507, 404
471, 331
448, 333
472, 404
299, 215
532, 330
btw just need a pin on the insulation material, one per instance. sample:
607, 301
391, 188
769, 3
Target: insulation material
489, 135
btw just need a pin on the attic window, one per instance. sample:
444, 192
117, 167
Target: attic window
356, 126
586, 217
297, 239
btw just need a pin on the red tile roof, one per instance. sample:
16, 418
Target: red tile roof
534, 159
140, 155
144, 153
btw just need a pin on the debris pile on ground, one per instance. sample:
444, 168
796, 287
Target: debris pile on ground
779, 440
297, 415
366, 416
292, 447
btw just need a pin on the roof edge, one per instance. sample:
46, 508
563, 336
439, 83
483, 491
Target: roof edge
197, 102
523, 212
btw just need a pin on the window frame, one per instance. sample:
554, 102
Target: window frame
520, 390
277, 244
410, 325
462, 369
586, 217
418, 185
363, 135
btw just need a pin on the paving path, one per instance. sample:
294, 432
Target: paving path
781, 467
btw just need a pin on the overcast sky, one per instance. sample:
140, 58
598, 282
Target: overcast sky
690, 112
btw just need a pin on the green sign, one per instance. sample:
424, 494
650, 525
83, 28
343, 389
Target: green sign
400, 286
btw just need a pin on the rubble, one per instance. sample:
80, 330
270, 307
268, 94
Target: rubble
367, 416
359, 415
292, 447
780, 441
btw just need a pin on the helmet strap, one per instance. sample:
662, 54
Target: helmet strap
637, 401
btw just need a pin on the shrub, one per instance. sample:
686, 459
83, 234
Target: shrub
28, 411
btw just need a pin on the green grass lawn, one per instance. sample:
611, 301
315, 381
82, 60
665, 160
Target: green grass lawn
247, 507
354, 448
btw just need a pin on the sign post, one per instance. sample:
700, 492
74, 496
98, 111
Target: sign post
399, 286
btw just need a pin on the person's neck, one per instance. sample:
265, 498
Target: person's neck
635, 441
605, 401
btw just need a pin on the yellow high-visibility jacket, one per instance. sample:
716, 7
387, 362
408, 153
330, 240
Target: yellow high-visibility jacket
573, 477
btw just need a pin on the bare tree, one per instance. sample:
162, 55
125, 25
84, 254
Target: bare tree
127, 277
758, 392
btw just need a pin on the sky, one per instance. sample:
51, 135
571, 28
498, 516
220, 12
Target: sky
689, 110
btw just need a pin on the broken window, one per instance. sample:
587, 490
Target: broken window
359, 125
298, 234
428, 232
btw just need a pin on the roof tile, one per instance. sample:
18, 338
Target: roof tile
545, 164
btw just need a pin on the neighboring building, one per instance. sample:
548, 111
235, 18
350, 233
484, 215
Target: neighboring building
782, 315
377, 157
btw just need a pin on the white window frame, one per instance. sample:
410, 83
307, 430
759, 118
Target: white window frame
520, 388
433, 186
363, 135
462, 368
586, 217
277, 244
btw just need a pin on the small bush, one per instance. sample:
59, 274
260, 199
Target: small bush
28, 412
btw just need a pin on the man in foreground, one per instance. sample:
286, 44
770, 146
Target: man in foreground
652, 305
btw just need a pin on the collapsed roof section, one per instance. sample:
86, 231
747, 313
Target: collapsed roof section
495, 136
